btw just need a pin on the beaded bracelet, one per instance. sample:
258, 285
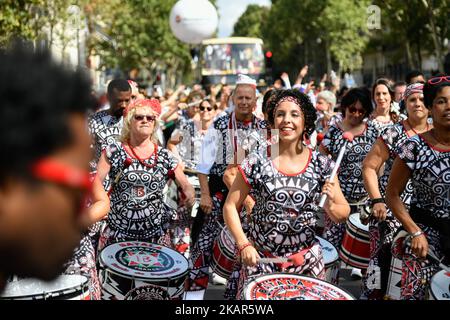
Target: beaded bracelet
248, 244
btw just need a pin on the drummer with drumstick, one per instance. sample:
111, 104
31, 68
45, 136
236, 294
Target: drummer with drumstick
287, 186
137, 210
356, 107
383, 225
425, 159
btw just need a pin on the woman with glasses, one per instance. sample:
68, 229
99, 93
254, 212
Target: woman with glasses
286, 187
425, 160
387, 111
383, 225
139, 169
186, 144
356, 107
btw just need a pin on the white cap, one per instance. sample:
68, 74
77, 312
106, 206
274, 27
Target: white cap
244, 79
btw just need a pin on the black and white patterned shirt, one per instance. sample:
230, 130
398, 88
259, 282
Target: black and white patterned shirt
284, 217
189, 147
430, 178
105, 129
350, 171
137, 208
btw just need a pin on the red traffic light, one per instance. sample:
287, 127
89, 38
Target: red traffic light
269, 54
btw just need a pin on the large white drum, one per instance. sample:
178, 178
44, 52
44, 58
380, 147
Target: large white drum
440, 286
331, 261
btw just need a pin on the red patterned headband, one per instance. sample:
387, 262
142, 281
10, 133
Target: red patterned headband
289, 99
151, 103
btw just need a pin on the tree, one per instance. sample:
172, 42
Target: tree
249, 23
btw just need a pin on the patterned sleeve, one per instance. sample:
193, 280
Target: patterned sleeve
326, 142
409, 150
172, 161
388, 136
111, 151
325, 165
249, 169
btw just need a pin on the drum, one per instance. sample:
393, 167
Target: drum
331, 260
394, 285
286, 286
65, 287
440, 286
223, 255
134, 270
170, 194
355, 247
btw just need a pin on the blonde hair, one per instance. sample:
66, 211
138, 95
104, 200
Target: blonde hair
128, 117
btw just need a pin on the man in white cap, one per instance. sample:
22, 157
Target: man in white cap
223, 145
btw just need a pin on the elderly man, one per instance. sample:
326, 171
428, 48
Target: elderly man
224, 144
44, 173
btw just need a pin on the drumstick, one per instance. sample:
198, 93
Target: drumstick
441, 265
126, 164
295, 259
348, 136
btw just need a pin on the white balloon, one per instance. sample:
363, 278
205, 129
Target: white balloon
192, 21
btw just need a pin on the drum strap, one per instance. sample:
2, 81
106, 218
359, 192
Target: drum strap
425, 217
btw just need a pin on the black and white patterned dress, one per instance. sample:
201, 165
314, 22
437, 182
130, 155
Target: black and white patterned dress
225, 128
430, 178
283, 221
137, 209
382, 233
350, 171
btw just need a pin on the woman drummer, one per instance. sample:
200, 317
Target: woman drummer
383, 225
387, 111
425, 159
139, 169
286, 187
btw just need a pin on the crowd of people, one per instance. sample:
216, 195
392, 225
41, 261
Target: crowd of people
253, 162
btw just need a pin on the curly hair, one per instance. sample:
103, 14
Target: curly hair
302, 100
430, 91
37, 97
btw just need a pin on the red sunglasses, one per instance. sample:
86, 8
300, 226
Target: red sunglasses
437, 80
51, 170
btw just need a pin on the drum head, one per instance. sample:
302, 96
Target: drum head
143, 260
32, 288
285, 286
354, 220
330, 254
227, 239
440, 285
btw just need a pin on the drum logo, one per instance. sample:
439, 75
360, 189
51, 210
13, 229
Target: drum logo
148, 292
145, 259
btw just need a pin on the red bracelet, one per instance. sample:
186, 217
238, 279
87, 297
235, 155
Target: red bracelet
248, 244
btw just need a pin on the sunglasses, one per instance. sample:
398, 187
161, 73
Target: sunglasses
205, 108
437, 80
50, 170
353, 110
140, 117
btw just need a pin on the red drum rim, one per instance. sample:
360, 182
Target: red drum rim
437, 287
79, 285
108, 261
307, 281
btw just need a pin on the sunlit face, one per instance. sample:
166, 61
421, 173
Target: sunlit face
415, 107
244, 100
143, 122
118, 101
382, 97
206, 111
399, 91
290, 121
355, 114
323, 105
441, 108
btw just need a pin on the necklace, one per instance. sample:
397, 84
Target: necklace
411, 127
433, 133
141, 161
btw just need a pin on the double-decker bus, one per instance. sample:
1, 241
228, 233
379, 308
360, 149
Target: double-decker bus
222, 59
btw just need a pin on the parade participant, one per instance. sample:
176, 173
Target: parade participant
415, 76
44, 173
139, 170
326, 101
186, 145
386, 112
399, 91
105, 126
356, 107
425, 159
286, 188
383, 225
221, 146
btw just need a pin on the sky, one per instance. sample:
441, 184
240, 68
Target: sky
230, 11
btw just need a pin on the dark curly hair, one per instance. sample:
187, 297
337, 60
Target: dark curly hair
430, 91
305, 105
37, 96
357, 94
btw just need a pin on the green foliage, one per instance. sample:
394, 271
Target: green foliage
249, 23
